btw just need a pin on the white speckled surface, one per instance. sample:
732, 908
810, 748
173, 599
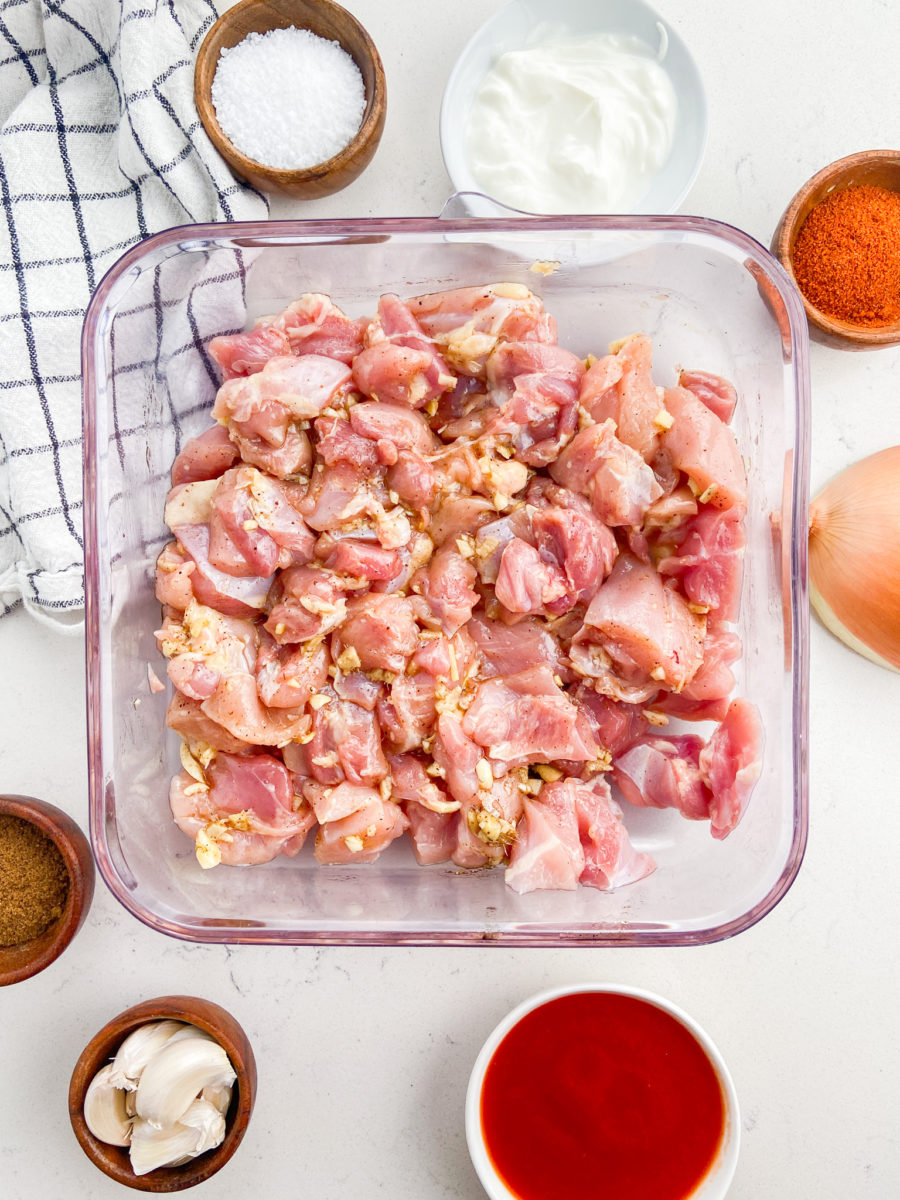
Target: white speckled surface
364, 1054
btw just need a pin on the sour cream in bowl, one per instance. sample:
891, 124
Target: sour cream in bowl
575, 106
595, 1082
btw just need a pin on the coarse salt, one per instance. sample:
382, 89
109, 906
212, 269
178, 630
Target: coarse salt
288, 98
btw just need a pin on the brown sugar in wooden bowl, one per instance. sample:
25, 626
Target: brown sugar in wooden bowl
877, 168
325, 19
27, 958
221, 1025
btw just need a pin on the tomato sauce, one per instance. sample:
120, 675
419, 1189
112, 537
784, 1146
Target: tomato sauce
601, 1097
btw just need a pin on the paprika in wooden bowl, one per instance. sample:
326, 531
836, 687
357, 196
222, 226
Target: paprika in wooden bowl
46, 885
839, 240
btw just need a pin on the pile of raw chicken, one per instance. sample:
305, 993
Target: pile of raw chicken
433, 574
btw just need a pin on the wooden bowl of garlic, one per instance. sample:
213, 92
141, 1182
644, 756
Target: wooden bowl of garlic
161, 1097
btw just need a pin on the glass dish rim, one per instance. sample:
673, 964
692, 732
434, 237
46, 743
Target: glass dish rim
262, 234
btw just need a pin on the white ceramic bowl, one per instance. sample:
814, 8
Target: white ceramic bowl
509, 29
718, 1179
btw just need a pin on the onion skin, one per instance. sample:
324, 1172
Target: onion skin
854, 557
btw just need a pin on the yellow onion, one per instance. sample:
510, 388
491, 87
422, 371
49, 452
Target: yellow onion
854, 557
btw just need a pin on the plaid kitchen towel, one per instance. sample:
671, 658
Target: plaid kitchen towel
100, 145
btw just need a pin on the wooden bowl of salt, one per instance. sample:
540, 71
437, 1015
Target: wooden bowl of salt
291, 130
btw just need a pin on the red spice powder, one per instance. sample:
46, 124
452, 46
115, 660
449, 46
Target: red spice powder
847, 256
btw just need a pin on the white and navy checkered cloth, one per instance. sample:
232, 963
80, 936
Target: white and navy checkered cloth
100, 145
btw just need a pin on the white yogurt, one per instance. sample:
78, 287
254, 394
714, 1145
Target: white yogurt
576, 124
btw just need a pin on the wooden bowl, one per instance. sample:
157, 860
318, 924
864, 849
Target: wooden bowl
114, 1160
22, 961
880, 168
328, 20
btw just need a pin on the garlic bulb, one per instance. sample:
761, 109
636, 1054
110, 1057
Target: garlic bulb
164, 1096
854, 563
201, 1128
177, 1074
137, 1050
105, 1113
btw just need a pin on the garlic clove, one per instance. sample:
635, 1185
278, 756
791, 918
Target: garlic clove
203, 1116
105, 1112
152, 1148
137, 1050
854, 568
219, 1095
177, 1074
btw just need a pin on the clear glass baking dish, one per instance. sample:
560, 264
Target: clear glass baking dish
709, 296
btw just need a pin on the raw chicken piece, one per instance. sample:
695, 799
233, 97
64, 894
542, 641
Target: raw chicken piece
633, 401
709, 559
174, 568
527, 718
610, 860
307, 602
446, 585
468, 322
527, 584
286, 676
619, 484
358, 689
400, 363
394, 424
246, 353
407, 713
314, 325
311, 325
362, 836
236, 705
457, 515
665, 773
456, 755
246, 815
451, 659
381, 629
291, 459
643, 629
187, 718
254, 519
717, 394
363, 560
346, 745
206, 456
409, 781
433, 834
615, 725
731, 763
547, 852
601, 377
204, 648
335, 803
493, 538
266, 405
508, 649
535, 387
232, 595
581, 546
338, 443
702, 446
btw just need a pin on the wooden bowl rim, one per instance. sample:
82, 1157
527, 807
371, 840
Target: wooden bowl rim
861, 335
193, 1010
76, 854
290, 176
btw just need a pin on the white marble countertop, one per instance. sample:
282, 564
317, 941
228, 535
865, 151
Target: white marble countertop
364, 1054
